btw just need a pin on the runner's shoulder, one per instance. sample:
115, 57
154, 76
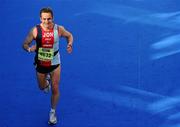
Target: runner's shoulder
34, 31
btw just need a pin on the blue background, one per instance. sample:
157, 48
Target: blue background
123, 72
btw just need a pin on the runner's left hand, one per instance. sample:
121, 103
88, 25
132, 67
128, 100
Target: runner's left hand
69, 48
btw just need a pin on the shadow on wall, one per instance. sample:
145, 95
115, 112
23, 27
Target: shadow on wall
167, 46
140, 100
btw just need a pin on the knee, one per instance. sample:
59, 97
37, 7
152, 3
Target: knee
42, 85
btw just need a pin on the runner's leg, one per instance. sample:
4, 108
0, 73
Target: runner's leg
55, 79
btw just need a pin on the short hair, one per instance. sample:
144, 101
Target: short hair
46, 10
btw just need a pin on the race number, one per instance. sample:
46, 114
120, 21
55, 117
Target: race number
45, 54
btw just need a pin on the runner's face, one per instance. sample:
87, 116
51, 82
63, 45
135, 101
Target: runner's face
46, 19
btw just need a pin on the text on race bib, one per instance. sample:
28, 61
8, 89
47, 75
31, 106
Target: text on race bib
45, 54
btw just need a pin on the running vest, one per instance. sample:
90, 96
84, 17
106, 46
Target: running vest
47, 47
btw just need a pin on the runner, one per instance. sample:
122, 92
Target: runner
47, 59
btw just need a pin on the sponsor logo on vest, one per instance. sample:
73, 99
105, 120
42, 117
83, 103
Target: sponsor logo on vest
48, 39
47, 45
48, 34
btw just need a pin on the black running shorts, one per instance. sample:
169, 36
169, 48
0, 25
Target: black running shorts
44, 70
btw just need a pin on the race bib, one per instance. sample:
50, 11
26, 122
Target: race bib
45, 54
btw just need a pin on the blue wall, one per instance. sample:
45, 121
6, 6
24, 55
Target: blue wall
124, 70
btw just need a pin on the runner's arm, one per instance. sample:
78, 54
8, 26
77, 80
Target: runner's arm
64, 33
28, 40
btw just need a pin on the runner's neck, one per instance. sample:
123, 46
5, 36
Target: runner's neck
47, 29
